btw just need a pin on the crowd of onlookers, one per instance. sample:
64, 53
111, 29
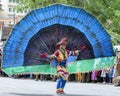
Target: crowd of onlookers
101, 76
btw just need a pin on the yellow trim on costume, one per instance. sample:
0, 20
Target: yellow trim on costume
60, 57
61, 74
60, 89
51, 56
76, 52
62, 68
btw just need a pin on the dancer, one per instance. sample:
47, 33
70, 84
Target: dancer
61, 57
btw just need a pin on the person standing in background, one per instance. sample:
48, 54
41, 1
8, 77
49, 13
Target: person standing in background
116, 80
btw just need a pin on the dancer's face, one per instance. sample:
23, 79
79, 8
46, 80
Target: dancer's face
63, 46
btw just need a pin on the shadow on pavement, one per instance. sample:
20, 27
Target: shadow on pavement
22, 94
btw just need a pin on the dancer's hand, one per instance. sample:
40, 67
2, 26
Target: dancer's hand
44, 55
83, 47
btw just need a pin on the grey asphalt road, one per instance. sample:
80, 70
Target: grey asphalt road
27, 87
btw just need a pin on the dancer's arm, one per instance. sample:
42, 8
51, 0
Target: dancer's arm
77, 52
46, 56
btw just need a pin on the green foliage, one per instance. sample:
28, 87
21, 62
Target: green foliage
107, 11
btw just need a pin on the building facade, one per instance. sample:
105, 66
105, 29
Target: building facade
8, 18
9, 15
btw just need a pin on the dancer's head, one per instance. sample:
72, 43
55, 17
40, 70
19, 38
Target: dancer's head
62, 44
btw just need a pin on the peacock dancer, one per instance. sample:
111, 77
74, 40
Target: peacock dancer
61, 59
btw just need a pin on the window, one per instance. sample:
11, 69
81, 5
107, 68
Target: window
25, 11
21, 11
14, 1
17, 11
10, 9
10, 0
28, 11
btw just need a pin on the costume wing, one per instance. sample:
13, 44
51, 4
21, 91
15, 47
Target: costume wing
54, 63
71, 59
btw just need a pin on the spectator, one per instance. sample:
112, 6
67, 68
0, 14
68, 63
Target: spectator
37, 77
93, 76
98, 73
111, 73
104, 75
86, 77
79, 77
117, 66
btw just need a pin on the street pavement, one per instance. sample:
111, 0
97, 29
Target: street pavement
28, 87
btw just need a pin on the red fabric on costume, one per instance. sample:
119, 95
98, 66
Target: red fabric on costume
43, 55
57, 53
68, 52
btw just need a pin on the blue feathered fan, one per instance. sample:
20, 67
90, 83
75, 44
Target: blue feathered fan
40, 30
